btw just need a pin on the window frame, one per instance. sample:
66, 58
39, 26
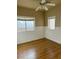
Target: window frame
27, 19
49, 26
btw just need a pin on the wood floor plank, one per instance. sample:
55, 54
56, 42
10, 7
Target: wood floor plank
39, 49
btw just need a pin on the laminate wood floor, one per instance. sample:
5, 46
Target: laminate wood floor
39, 49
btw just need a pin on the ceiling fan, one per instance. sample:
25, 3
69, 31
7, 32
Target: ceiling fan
44, 4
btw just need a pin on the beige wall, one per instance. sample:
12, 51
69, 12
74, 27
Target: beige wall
55, 11
39, 16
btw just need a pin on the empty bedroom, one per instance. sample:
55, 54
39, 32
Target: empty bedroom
38, 29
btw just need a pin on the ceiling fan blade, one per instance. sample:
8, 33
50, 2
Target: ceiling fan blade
43, 1
50, 4
38, 8
46, 8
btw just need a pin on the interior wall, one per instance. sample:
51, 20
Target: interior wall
54, 11
39, 17
41, 29
25, 36
54, 35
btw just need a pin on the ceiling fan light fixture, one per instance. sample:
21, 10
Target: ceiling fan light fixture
43, 1
44, 5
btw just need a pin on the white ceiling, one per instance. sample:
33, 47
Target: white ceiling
33, 3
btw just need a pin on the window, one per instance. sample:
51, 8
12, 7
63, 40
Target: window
20, 24
30, 25
51, 23
27, 24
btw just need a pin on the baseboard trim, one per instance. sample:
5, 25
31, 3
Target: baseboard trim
53, 41
31, 41
40, 39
